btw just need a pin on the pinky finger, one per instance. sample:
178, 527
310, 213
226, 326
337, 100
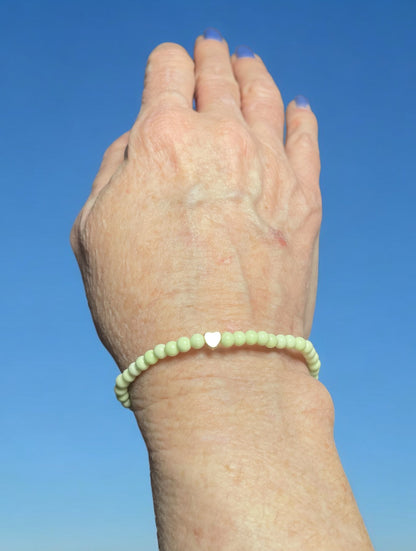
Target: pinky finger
302, 143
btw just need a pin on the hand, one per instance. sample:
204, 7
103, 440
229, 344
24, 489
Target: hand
208, 220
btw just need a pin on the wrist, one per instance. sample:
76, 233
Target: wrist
240, 444
221, 431
207, 394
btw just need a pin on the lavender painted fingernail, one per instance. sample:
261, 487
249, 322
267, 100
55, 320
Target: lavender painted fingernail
244, 51
210, 32
301, 101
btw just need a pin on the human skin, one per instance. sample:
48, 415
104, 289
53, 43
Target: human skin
209, 221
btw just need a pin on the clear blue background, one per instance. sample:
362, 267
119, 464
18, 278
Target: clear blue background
74, 472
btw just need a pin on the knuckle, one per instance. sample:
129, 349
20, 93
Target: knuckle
262, 89
212, 82
163, 137
232, 137
315, 218
213, 76
304, 140
161, 125
111, 150
317, 213
309, 207
114, 149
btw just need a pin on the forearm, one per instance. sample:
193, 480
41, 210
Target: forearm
243, 457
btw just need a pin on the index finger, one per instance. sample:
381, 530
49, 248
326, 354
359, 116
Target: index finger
169, 78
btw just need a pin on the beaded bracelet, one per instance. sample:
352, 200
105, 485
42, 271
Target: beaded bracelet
213, 340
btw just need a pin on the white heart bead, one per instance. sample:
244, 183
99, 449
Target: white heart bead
212, 339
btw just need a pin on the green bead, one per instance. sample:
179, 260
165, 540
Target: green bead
141, 363
150, 357
197, 341
262, 338
308, 347
184, 344
271, 343
239, 338
119, 391
128, 376
300, 343
133, 370
310, 356
121, 394
126, 403
171, 348
315, 363
280, 341
159, 351
120, 382
227, 339
290, 341
251, 337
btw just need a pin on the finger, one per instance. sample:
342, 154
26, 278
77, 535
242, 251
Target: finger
261, 102
216, 89
169, 78
302, 142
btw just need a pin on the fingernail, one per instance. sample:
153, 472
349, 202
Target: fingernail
301, 101
244, 51
210, 32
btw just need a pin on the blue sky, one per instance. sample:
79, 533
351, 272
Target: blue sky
74, 472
